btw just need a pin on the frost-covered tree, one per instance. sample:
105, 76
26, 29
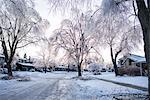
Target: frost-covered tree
118, 34
46, 53
73, 36
18, 20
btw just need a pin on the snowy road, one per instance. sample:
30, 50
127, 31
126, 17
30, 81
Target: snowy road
32, 91
58, 86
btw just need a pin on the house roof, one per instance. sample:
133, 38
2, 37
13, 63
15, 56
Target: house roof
133, 57
137, 58
26, 64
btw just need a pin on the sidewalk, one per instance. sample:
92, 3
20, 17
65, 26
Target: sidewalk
125, 84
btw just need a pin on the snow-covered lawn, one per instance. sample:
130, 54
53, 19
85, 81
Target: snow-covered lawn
135, 80
61, 86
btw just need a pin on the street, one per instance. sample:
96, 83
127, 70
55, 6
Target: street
62, 88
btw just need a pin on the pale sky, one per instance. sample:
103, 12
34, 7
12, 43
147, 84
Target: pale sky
55, 18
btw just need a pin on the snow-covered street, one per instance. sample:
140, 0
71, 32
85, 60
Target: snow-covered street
63, 86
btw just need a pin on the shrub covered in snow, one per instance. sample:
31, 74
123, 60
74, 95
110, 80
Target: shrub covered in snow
24, 79
94, 67
131, 71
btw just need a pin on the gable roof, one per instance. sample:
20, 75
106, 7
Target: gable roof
133, 57
136, 58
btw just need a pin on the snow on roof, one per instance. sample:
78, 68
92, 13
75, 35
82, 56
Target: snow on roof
137, 58
26, 64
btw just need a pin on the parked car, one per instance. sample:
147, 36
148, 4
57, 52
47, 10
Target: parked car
48, 70
96, 73
110, 70
85, 70
39, 69
103, 70
4, 70
32, 70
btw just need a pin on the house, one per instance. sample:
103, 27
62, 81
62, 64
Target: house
24, 64
61, 68
132, 60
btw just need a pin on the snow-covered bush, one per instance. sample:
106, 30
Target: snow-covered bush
94, 67
131, 71
24, 79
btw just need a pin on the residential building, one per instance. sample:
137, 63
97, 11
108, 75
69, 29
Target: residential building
24, 64
132, 60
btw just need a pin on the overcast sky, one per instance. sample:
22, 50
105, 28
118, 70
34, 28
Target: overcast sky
55, 18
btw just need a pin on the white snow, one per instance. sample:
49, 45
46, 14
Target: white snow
26, 64
105, 88
136, 80
62, 85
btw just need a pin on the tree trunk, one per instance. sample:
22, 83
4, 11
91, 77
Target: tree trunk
45, 69
9, 69
144, 18
147, 54
115, 68
68, 68
79, 69
146, 33
114, 61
